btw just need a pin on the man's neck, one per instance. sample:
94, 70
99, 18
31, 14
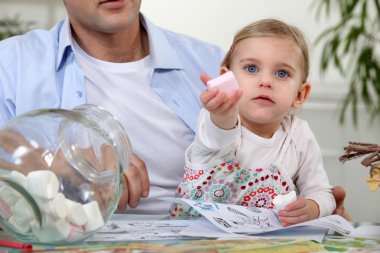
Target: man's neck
128, 46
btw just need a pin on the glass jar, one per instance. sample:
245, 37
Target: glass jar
61, 173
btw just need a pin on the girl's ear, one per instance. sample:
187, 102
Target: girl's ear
223, 70
302, 95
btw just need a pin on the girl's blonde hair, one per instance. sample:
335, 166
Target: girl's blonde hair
272, 28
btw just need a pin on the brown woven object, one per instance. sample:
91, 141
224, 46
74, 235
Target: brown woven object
358, 149
372, 160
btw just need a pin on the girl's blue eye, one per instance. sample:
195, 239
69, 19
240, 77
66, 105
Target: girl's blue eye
282, 73
251, 69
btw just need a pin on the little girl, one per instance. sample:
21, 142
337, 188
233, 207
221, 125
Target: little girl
248, 147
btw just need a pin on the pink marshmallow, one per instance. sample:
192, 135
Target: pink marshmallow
76, 233
225, 83
5, 209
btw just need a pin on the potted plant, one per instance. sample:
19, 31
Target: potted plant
11, 26
352, 46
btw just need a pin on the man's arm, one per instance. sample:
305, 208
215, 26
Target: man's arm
339, 195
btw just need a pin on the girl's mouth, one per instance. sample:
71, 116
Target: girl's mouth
264, 98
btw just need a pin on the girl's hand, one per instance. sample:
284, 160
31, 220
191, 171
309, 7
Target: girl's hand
222, 107
299, 211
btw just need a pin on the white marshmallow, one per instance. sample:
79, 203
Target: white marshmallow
17, 178
19, 224
52, 230
55, 207
95, 218
9, 195
43, 183
75, 213
281, 201
23, 211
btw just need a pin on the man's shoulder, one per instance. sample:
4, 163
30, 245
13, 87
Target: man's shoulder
180, 40
192, 42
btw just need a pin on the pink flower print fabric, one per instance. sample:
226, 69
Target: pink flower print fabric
230, 184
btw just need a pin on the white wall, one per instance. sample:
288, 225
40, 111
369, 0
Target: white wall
217, 21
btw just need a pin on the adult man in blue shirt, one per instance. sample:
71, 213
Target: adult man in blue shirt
108, 53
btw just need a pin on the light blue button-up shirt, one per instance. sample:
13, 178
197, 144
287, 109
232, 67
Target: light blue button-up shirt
40, 70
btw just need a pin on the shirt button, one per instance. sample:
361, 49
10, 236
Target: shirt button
78, 94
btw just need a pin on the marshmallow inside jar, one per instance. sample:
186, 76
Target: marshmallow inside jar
282, 200
39, 212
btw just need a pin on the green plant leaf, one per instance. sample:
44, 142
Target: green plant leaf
351, 46
13, 26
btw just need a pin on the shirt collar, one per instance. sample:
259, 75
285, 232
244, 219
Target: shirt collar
64, 42
162, 53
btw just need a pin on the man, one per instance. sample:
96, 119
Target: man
110, 55
107, 53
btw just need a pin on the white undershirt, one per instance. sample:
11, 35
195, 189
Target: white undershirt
157, 134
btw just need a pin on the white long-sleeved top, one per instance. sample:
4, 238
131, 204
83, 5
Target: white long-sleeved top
300, 162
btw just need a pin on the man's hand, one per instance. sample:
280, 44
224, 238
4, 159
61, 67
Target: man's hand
136, 183
298, 211
339, 195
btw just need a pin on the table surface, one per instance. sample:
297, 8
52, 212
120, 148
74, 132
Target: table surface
331, 243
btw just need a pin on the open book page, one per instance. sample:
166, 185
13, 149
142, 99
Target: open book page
242, 220
204, 228
369, 231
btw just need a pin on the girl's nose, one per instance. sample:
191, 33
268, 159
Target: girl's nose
265, 80
265, 84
